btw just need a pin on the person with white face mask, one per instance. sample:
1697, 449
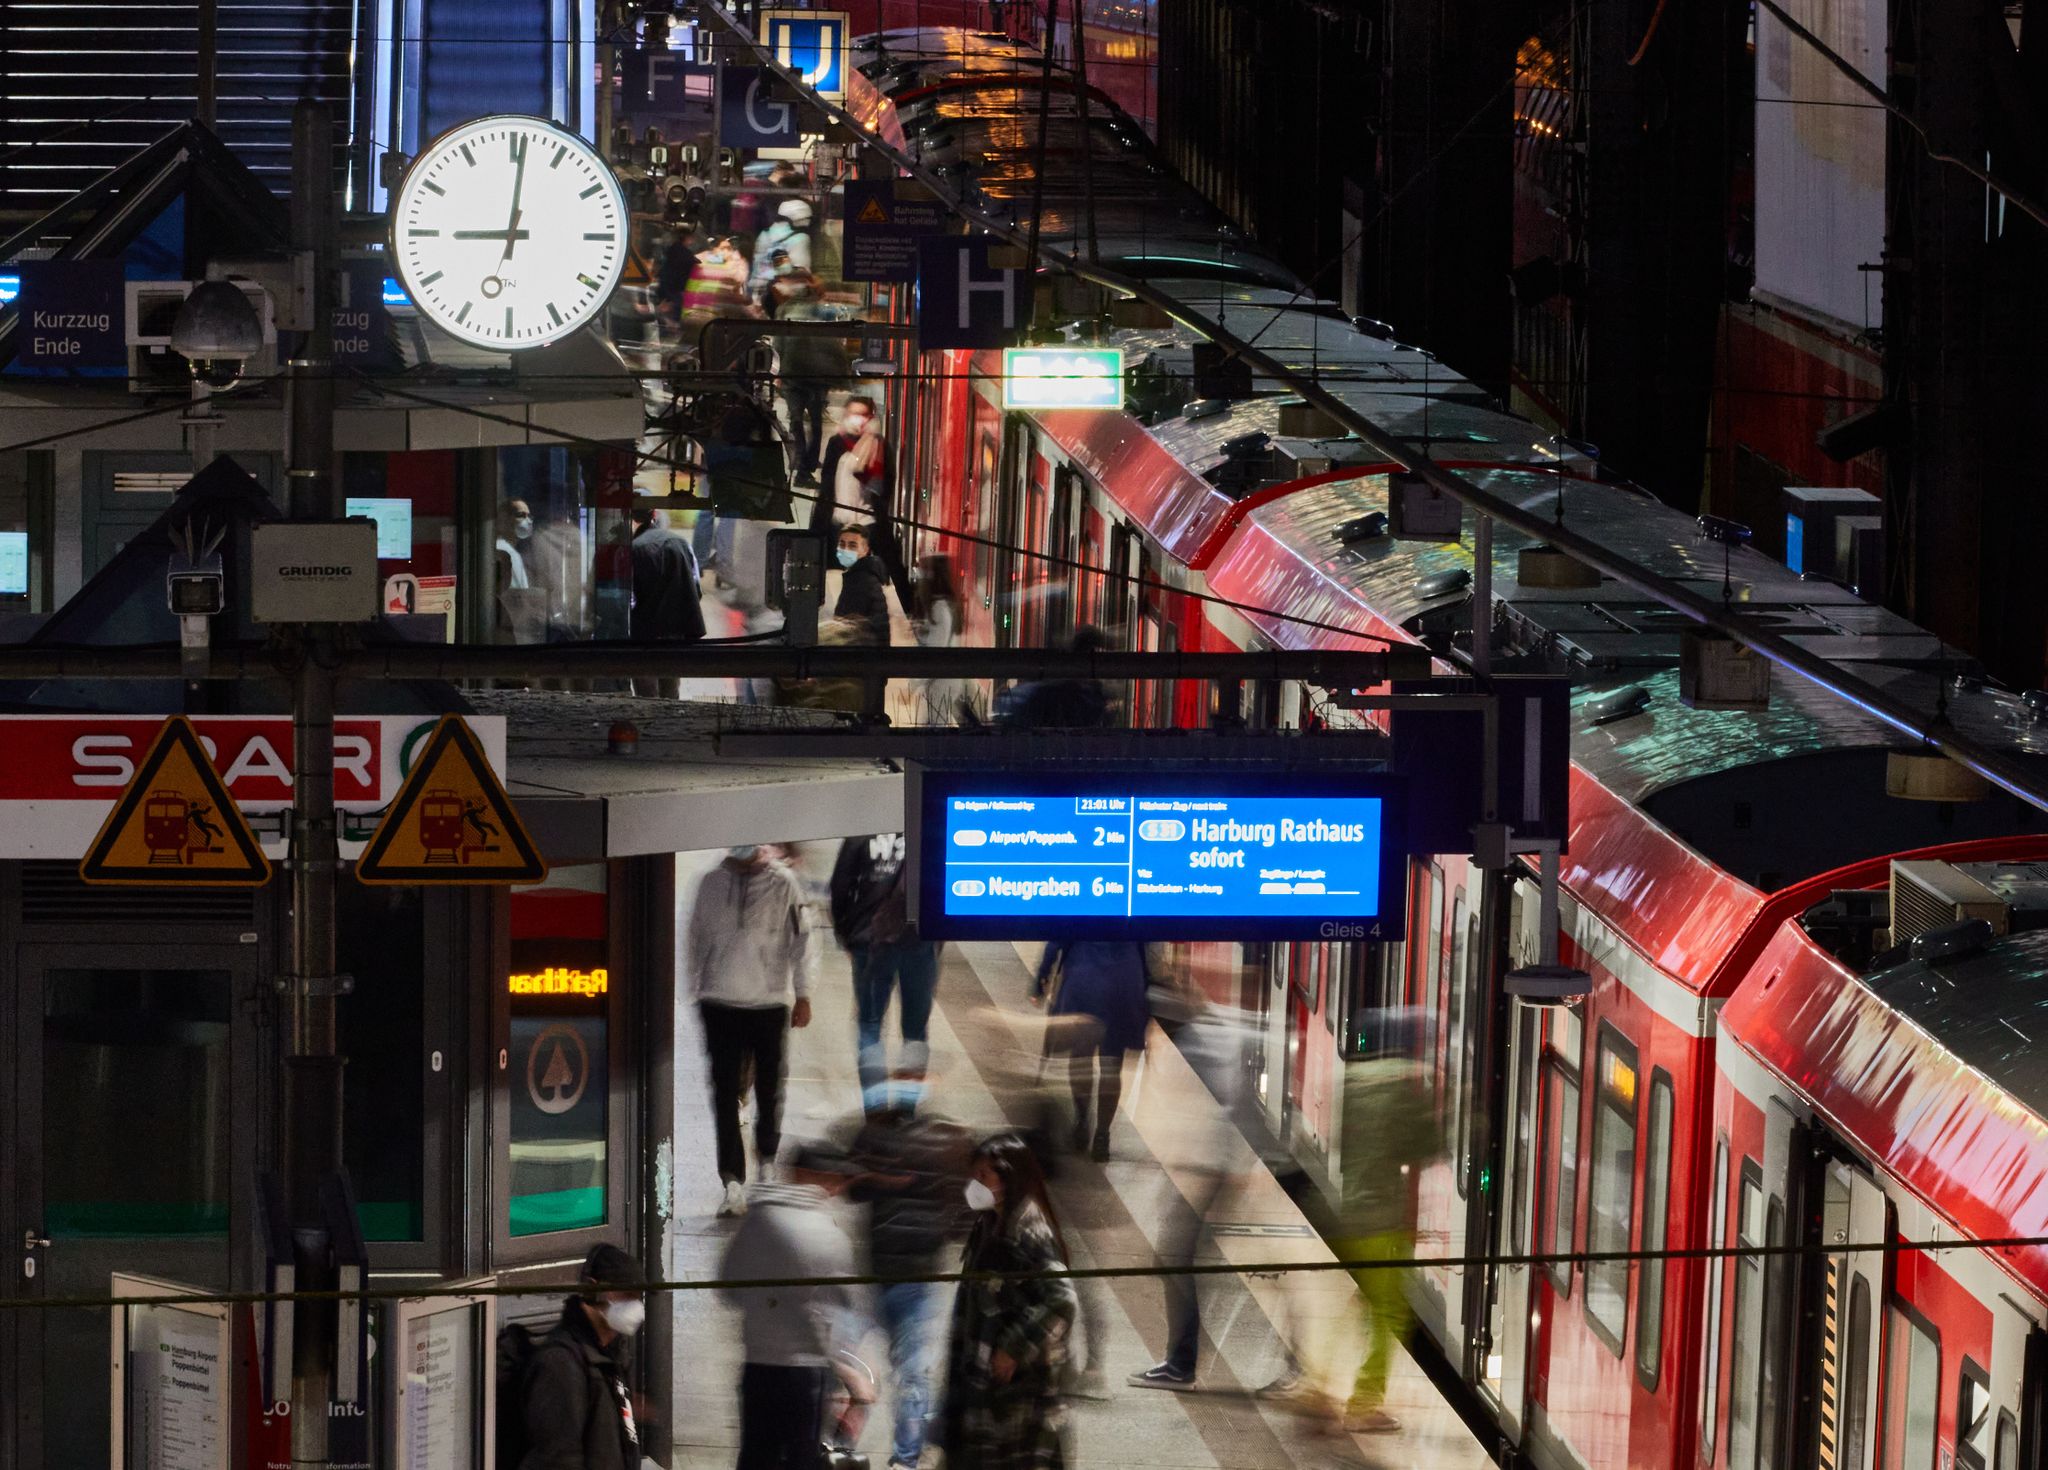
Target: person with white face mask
1003, 1408
578, 1413
789, 1335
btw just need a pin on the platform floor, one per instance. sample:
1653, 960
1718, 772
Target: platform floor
985, 1040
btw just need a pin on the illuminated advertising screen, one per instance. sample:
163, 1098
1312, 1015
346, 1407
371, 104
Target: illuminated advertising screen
1158, 855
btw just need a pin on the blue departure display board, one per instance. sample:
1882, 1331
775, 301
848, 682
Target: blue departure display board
1154, 856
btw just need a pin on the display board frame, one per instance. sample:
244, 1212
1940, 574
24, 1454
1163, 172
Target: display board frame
120, 1331
482, 1313
927, 791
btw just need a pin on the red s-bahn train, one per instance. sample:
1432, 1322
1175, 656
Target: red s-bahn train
1747, 1073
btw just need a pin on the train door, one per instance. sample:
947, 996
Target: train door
1990, 1432
1012, 531
1059, 570
1276, 1024
1853, 1211
1505, 1375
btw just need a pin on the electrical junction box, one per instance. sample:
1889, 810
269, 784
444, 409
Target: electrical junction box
314, 571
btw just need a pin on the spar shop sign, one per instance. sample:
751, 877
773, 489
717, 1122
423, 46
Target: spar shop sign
63, 773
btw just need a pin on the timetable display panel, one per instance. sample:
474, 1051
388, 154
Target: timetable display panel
1158, 856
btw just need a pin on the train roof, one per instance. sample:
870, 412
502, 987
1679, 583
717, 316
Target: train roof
1927, 1070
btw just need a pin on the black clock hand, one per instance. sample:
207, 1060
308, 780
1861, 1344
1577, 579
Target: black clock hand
512, 230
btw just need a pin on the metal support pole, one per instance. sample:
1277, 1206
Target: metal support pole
1547, 912
310, 378
310, 1148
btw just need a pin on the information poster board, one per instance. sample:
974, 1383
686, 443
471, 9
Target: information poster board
442, 1377
1157, 855
173, 1369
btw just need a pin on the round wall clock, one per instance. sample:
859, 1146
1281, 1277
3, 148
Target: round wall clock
509, 232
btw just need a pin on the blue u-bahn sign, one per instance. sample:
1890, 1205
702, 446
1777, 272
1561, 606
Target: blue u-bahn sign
1154, 855
812, 43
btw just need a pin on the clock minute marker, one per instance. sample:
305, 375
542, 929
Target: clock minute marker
561, 152
429, 280
593, 189
430, 184
508, 321
556, 315
586, 280
468, 157
463, 315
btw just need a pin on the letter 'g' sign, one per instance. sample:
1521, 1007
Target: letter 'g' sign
72, 318
750, 114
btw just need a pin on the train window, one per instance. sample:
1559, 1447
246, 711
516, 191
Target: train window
1656, 1207
1710, 1381
2007, 1454
1466, 1043
1452, 1008
1776, 1337
1431, 948
1742, 1344
1610, 1204
1564, 1200
1912, 1395
1973, 1417
1856, 1377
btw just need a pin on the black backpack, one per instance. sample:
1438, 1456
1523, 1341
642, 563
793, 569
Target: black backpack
516, 1345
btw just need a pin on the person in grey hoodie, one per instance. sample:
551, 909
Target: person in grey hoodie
747, 952
788, 1334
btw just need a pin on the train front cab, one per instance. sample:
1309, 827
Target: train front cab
1850, 1359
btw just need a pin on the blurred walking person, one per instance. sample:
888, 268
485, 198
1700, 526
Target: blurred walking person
789, 1334
871, 916
750, 973
911, 1168
1212, 1039
937, 618
1002, 1407
1099, 1012
1387, 1108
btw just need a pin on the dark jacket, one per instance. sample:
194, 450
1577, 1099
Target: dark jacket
864, 598
868, 904
579, 1413
1103, 979
1054, 704
665, 596
914, 1168
1020, 1425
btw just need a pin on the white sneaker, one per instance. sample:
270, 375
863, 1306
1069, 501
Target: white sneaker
735, 1201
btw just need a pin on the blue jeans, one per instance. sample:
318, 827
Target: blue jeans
908, 1313
878, 969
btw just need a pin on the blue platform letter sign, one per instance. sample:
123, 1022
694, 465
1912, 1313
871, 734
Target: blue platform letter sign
962, 300
73, 318
811, 43
751, 114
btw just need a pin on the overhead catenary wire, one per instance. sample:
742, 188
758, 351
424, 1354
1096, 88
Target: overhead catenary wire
1461, 1261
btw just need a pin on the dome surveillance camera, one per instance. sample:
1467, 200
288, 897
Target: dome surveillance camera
217, 331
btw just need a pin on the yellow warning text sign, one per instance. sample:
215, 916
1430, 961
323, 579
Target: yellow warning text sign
176, 824
452, 821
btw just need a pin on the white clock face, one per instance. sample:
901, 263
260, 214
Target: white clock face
509, 232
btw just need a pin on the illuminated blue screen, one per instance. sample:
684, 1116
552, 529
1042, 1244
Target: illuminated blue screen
1153, 855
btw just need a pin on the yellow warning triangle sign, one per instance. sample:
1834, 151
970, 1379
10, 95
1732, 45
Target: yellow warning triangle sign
452, 821
872, 213
176, 823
